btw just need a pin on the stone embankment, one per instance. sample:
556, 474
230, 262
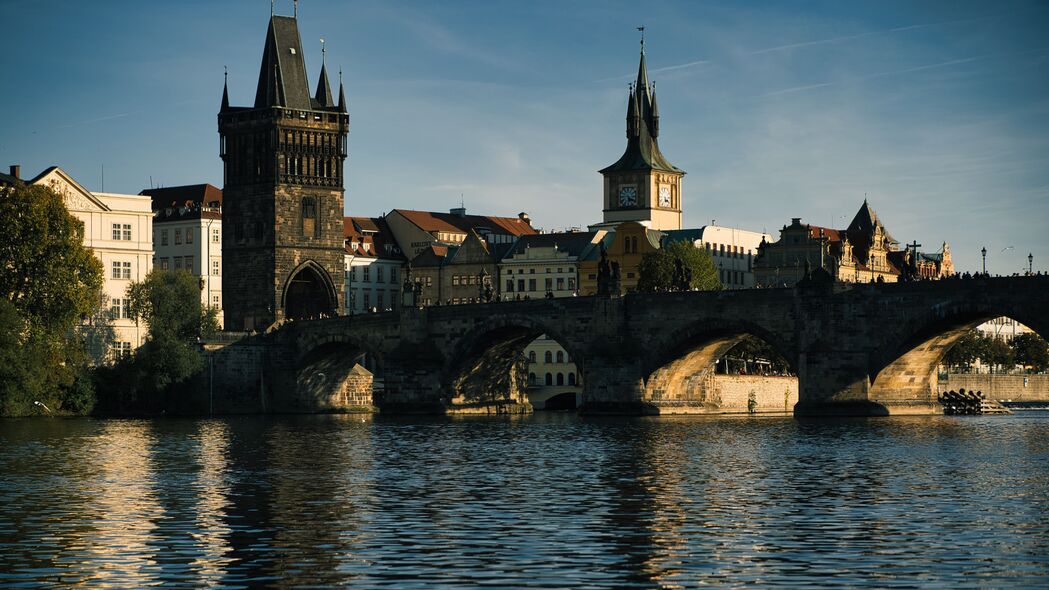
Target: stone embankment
1008, 388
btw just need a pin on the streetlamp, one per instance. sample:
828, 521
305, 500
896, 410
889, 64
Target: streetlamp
1030, 263
984, 252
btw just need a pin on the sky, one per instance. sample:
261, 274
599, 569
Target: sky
936, 112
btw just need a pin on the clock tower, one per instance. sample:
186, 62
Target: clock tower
642, 185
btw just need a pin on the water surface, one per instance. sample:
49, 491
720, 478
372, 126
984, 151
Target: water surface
547, 501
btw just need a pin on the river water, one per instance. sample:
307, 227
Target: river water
547, 501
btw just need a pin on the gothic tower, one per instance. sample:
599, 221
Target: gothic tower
282, 243
642, 185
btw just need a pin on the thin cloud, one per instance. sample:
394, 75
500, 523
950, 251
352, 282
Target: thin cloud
843, 38
95, 120
944, 64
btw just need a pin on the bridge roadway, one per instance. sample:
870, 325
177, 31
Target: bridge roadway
858, 349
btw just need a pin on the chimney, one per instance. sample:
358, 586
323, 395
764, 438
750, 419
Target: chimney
16, 171
459, 211
525, 218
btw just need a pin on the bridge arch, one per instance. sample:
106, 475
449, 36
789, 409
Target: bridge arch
904, 368
309, 293
339, 372
680, 372
488, 364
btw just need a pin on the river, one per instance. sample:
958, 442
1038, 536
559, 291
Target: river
545, 501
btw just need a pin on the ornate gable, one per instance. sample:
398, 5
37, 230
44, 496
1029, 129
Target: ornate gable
75, 197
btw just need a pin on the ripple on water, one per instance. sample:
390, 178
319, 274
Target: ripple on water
546, 501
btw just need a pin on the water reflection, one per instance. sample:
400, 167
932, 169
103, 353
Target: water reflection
544, 501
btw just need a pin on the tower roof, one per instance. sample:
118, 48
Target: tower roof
323, 95
282, 77
642, 149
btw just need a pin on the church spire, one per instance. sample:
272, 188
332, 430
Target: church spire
654, 123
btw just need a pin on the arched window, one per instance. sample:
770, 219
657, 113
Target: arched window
560, 378
310, 227
548, 357
571, 378
531, 356
560, 356
549, 379
531, 378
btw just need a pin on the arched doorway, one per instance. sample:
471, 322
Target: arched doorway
309, 294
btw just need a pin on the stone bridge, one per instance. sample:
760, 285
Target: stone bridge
859, 349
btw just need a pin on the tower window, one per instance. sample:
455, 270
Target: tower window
310, 227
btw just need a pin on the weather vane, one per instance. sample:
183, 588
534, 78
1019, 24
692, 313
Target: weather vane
323, 50
642, 29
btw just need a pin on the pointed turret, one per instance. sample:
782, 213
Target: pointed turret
225, 94
342, 94
631, 115
655, 114
323, 94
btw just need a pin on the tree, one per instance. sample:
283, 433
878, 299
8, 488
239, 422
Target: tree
677, 266
1032, 351
47, 273
998, 353
964, 353
169, 303
48, 282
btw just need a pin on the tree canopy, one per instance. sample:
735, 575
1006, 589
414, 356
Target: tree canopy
677, 266
49, 281
168, 301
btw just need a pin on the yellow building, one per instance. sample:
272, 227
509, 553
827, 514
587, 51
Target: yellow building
623, 248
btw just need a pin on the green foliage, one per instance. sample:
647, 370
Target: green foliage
48, 282
965, 352
169, 303
48, 274
998, 353
1032, 351
673, 266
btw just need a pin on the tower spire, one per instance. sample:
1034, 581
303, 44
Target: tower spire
225, 89
323, 93
342, 94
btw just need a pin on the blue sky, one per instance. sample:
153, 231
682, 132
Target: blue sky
938, 112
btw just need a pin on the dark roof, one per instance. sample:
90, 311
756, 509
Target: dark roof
572, 243
179, 196
642, 148
9, 180
682, 235
282, 77
372, 231
864, 221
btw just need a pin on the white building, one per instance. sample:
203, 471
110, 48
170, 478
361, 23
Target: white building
187, 235
733, 251
119, 230
372, 279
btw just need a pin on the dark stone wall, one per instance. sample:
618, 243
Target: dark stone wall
861, 350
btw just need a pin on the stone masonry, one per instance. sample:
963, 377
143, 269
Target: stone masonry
867, 349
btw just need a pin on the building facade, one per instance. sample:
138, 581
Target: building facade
119, 230
863, 252
733, 251
187, 235
545, 265
623, 248
642, 186
373, 272
283, 249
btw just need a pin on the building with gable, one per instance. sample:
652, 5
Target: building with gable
623, 249
417, 231
862, 252
187, 235
119, 230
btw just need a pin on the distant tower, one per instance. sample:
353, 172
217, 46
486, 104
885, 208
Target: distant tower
642, 185
282, 240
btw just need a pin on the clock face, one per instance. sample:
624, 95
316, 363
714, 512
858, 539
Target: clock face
627, 196
664, 196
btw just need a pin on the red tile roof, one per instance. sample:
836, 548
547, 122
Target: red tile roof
178, 196
430, 221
